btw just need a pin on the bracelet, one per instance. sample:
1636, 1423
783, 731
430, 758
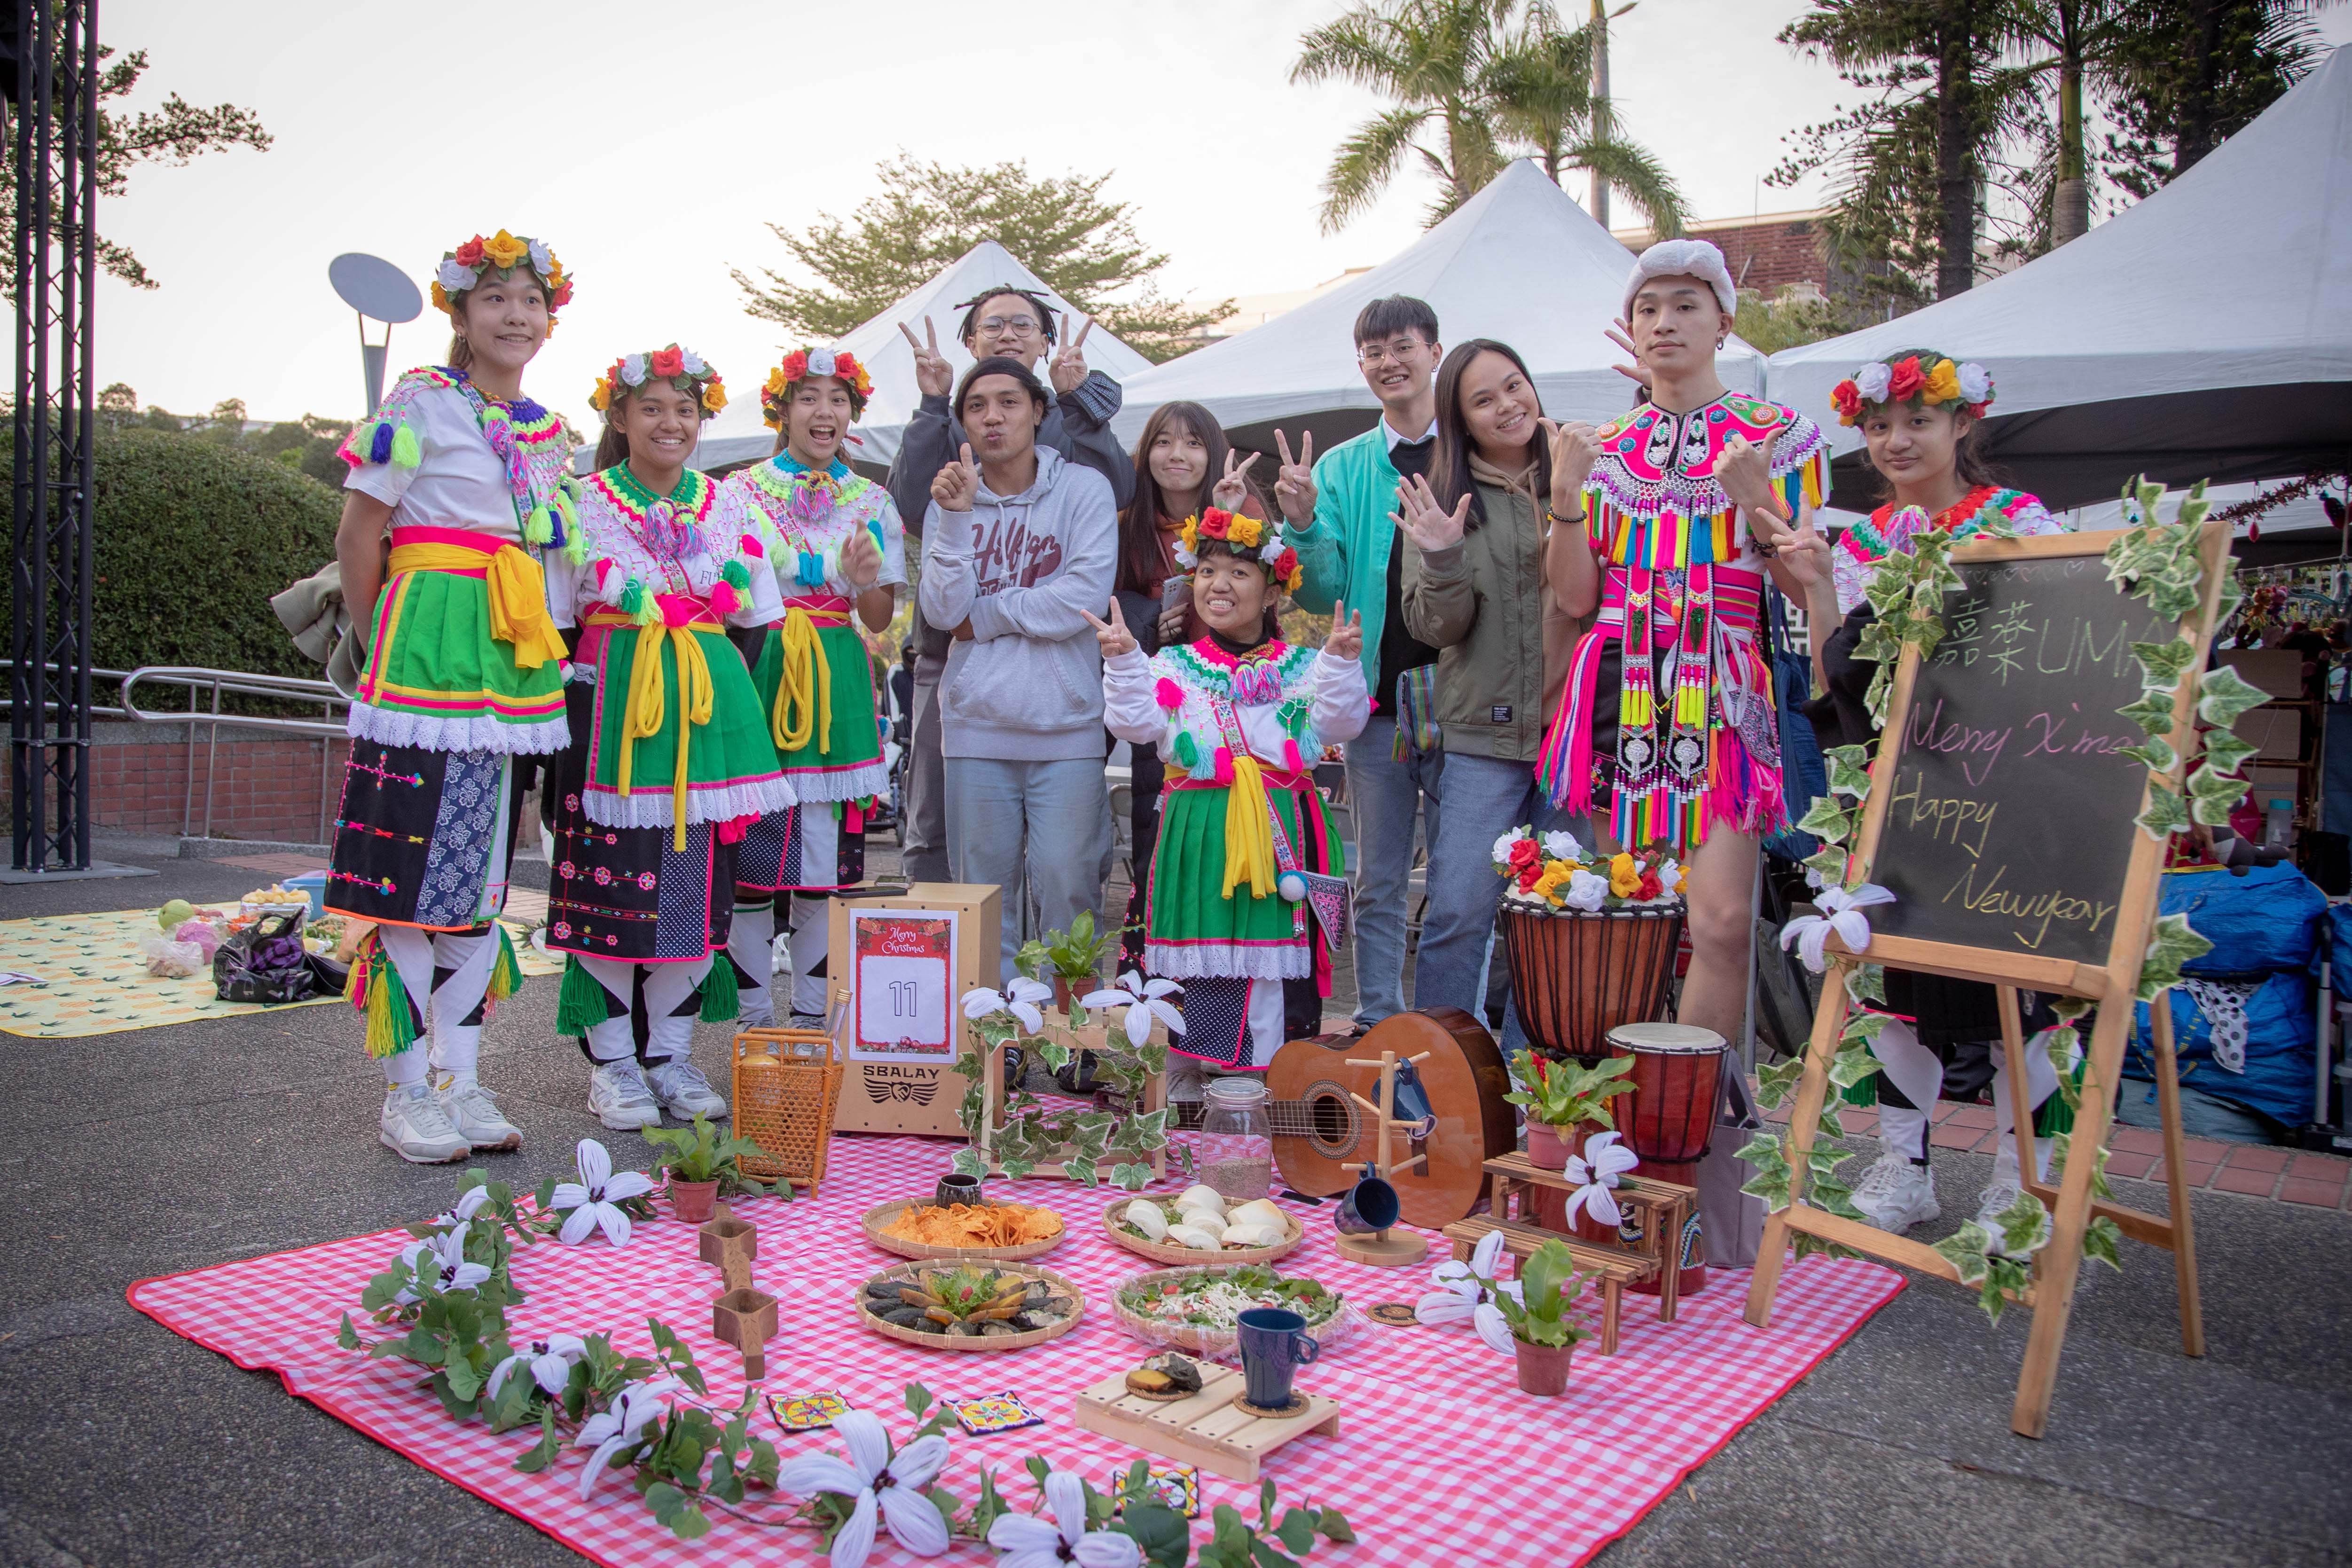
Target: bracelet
1557, 520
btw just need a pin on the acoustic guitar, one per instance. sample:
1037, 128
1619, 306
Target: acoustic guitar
1323, 1138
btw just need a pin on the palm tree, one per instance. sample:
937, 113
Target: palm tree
1483, 73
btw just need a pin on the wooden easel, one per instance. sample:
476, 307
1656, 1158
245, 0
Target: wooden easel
2112, 985
1381, 1248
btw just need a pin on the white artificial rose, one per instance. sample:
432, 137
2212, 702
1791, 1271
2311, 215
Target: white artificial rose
1873, 380
1585, 890
695, 363
456, 278
1975, 383
635, 368
820, 362
542, 262
1561, 845
1501, 851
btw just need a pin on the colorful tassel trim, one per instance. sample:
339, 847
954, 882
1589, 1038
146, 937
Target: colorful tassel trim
1168, 695
1187, 752
583, 1002
2053, 1115
737, 575
505, 970
720, 991
752, 547
1223, 765
376, 989
386, 440
724, 601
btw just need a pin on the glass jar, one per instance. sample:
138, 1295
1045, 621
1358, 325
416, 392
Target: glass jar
1235, 1149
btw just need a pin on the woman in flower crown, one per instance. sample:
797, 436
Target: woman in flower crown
838, 549
460, 491
670, 760
1918, 412
1247, 885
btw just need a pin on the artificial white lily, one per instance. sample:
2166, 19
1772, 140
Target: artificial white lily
549, 1361
446, 1254
622, 1426
1019, 998
1463, 1289
1025, 1541
1595, 1170
1144, 1000
595, 1198
1492, 1328
1841, 913
469, 1204
878, 1483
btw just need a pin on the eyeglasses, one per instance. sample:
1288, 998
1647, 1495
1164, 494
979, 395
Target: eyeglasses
1399, 351
1009, 326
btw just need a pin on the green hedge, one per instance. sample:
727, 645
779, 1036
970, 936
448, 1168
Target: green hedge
193, 541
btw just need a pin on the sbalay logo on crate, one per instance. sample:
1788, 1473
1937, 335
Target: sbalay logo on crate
885, 1083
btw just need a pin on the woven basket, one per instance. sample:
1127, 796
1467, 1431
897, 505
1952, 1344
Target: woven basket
1576, 976
787, 1083
881, 1215
1169, 1252
909, 1273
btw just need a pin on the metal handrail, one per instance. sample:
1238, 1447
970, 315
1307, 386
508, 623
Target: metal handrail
243, 683
8, 704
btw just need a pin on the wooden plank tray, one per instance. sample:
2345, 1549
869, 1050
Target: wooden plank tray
1208, 1430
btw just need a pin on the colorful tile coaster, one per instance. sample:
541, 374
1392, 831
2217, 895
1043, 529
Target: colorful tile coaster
993, 1413
1179, 1486
807, 1412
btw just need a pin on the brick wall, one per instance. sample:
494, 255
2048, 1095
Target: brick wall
266, 785
1766, 254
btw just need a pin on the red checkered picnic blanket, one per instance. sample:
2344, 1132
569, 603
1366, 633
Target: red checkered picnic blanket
1439, 1456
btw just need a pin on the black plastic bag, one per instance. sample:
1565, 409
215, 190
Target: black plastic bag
265, 963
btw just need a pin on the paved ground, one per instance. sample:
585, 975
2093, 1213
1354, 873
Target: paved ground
164, 1150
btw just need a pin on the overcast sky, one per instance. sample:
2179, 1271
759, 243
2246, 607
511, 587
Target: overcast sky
651, 146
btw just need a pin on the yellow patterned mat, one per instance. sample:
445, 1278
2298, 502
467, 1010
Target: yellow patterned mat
87, 977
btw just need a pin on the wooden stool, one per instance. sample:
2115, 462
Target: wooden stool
1665, 1208
1617, 1270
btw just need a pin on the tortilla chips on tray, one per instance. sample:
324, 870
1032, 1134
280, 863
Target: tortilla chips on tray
968, 1224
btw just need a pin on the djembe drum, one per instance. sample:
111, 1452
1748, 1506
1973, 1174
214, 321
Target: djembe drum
1577, 973
1669, 1118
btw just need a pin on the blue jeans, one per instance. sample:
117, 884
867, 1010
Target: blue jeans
1382, 797
1042, 827
1484, 798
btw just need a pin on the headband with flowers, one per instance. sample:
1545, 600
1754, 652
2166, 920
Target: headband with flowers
1936, 381
463, 267
682, 368
1251, 537
802, 363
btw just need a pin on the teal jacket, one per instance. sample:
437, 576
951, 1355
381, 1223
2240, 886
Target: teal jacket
1344, 555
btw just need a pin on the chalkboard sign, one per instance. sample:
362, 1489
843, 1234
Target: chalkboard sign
2009, 820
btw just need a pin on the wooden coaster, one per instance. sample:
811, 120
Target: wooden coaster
1297, 1406
1396, 1314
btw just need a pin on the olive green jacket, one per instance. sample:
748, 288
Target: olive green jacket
1503, 643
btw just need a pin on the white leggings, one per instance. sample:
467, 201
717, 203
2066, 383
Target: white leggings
668, 1032
1918, 1072
451, 971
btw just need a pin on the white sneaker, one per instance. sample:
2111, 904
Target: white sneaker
475, 1110
684, 1092
415, 1127
618, 1097
1896, 1194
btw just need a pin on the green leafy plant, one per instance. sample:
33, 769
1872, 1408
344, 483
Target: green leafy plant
1548, 1287
700, 1154
1565, 1093
1075, 956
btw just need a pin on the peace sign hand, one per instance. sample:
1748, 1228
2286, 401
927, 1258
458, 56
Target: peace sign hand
957, 484
1622, 334
1293, 482
933, 376
1347, 638
1069, 365
1575, 449
1429, 525
1233, 486
1112, 634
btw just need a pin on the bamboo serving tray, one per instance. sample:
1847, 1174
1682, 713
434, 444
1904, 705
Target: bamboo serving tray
1207, 1429
912, 1274
881, 1215
1170, 1253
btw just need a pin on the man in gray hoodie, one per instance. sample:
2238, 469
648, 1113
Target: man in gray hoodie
1020, 547
1016, 322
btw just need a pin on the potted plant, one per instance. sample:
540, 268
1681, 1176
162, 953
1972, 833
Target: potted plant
1565, 1102
1543, 1332
1071, 961
701, 1166
1590, 937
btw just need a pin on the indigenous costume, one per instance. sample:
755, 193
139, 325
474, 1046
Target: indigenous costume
1668, 721
670, 760
816, 683
1248, 867
464, 673
1939, 1039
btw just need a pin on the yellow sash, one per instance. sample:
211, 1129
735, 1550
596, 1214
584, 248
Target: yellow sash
644, 716
804, 696
1249, 833
518, 594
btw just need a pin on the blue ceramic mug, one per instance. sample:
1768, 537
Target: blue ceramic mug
1274, 1345
1370, 1205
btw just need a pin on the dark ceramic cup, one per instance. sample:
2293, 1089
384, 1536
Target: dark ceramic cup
1274, 1345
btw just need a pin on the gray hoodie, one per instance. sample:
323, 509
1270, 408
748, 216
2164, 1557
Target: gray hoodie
1026, 570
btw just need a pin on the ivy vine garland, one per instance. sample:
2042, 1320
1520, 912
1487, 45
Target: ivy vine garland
2161, 562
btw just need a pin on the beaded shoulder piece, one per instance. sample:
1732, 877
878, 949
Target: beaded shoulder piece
1272, 672
531, 441
636, 534
1653, 500
810, 514
1886, 532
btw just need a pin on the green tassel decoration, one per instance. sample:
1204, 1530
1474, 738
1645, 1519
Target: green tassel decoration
1865, 1093
392, 1022
506, 971
737, 574
721, 997
575, 540
2053, 1115
1188, 750
583, 1001
406, 453
540, 528
632, 598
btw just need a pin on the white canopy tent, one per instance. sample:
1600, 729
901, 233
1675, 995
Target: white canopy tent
1519, 261
2205, 332
737, 436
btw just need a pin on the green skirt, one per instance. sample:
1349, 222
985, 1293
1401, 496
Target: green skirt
1191, 930
845, 762
438, 679
730, 763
